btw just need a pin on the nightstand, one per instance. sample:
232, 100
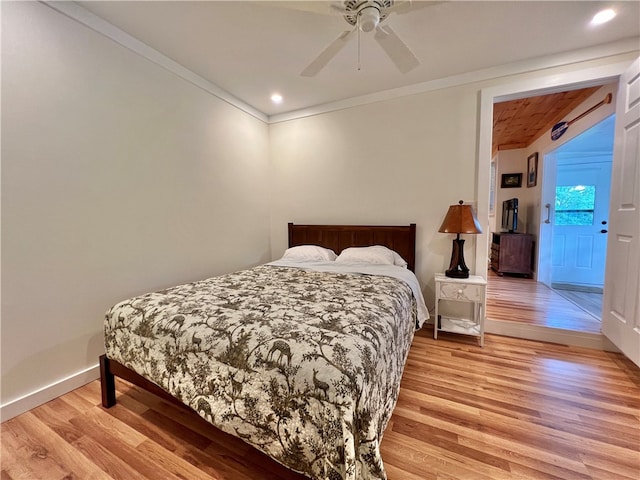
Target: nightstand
471, 290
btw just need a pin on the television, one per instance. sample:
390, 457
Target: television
510, 215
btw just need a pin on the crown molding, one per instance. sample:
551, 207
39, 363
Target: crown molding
621, 47
99, 25
82, 15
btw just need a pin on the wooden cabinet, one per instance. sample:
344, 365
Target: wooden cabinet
512, 253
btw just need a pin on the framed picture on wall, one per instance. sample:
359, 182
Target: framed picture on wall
532, 170
511, 180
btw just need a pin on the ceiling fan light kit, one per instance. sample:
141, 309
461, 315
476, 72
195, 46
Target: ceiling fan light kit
368, 16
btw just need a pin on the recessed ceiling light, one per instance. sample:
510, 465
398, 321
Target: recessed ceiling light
603, 16
276, 98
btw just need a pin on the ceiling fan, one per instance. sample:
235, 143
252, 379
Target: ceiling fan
367, 16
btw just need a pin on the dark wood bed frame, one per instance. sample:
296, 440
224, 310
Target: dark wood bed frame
401, 238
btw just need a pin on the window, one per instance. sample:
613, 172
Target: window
575, 204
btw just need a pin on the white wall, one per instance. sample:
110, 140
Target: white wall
514, 161
393, 162
118, 178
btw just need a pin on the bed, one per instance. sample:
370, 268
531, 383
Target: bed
301, 358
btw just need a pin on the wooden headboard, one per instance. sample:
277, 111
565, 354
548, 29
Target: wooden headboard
401, 238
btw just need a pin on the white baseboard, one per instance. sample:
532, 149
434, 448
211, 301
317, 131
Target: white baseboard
548, 334
45, 394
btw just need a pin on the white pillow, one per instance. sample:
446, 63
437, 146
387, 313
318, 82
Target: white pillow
376, 254
309, 253
398, 260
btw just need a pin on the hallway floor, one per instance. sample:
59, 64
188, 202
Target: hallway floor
588, 301
524, 300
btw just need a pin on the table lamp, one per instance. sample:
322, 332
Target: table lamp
459, 219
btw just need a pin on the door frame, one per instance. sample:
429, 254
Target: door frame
535, 86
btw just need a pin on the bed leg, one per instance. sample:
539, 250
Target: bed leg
107, 383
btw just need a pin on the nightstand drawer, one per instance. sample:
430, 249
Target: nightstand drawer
458, 291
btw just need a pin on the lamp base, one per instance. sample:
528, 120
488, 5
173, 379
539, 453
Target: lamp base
457, 267
456, 274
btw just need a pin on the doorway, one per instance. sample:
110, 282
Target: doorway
623, 223
574, 184
576, 192
578, 175
510, 92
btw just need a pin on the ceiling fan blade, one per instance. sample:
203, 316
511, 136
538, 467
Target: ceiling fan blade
327, 54
396, 49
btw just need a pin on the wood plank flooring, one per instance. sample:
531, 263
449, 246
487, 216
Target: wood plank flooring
524, 300
513, 410
590, 302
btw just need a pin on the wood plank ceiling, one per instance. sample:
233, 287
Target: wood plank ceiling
517, 123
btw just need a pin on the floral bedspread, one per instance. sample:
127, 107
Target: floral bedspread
303, 365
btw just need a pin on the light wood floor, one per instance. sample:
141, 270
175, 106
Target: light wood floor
524, 300
513, 410
591, 302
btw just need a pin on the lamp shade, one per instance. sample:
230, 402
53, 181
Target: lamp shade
460, 219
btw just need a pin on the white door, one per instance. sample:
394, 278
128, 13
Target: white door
621, 309
580, 224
